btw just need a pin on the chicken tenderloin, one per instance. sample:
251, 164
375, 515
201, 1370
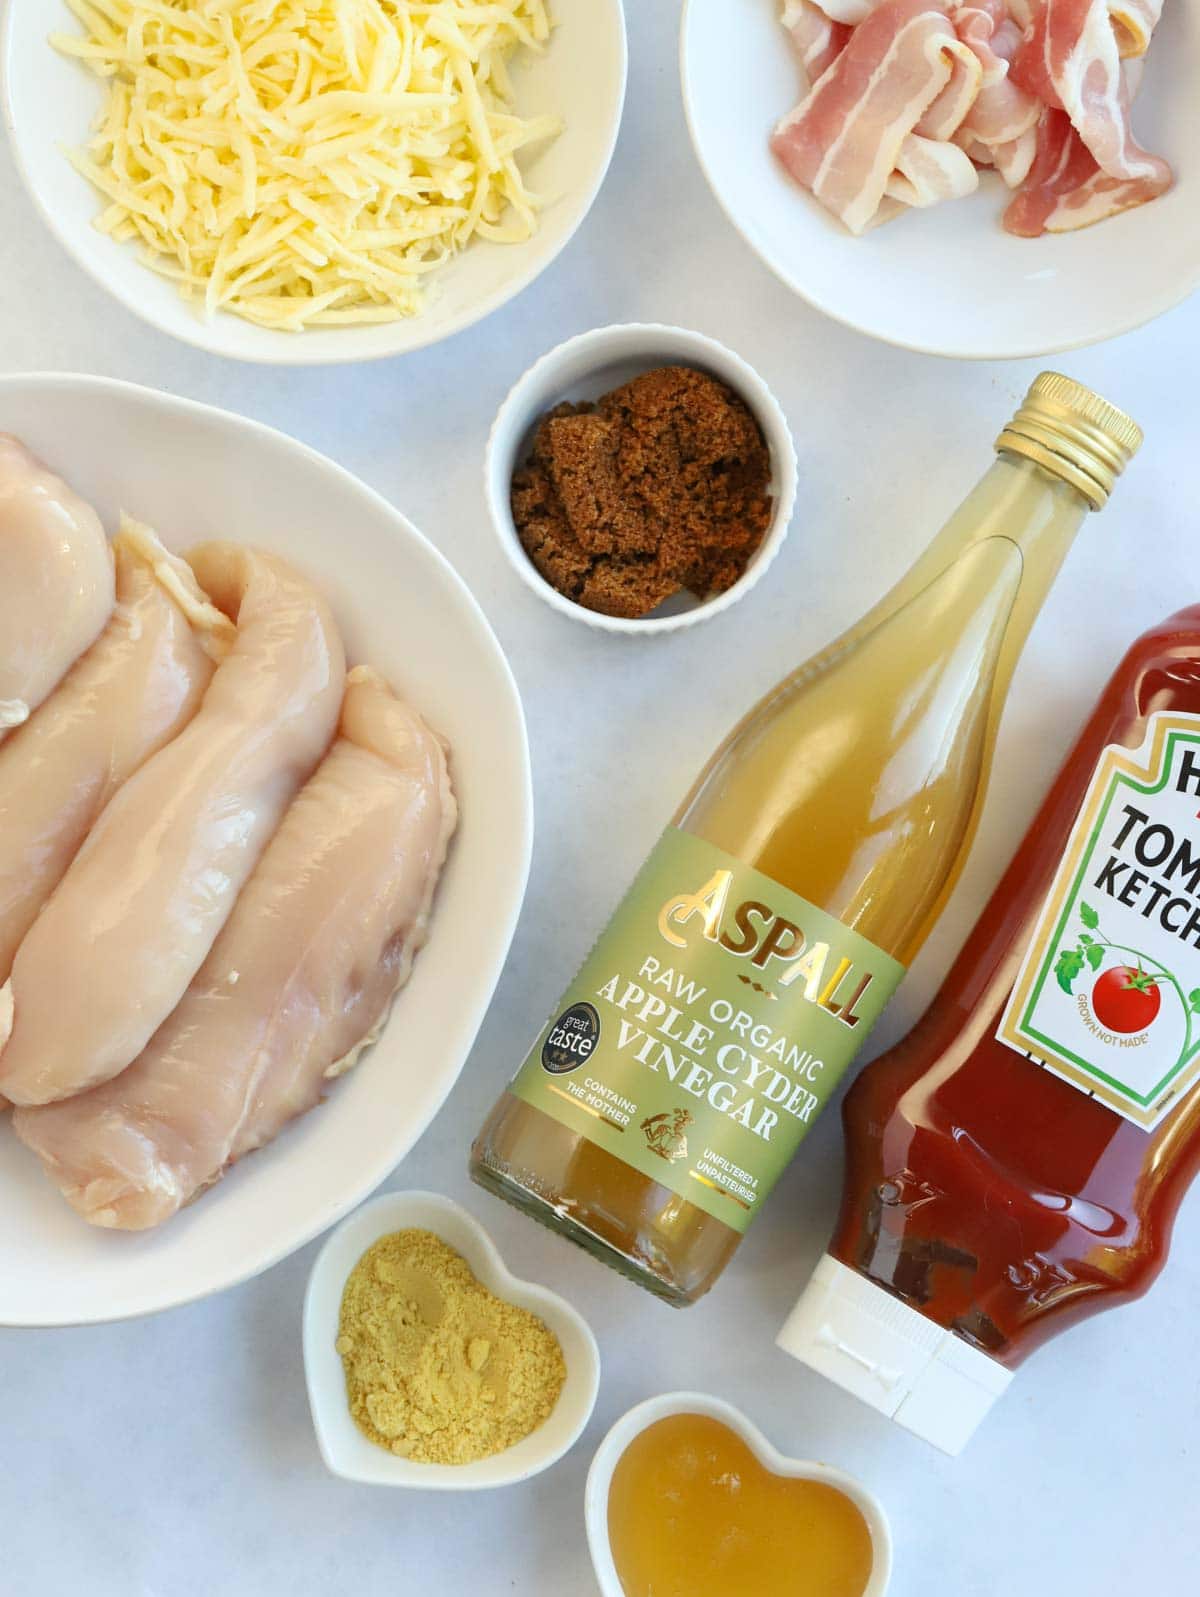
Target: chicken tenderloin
135, 688
56, 581
118, 941
299, 981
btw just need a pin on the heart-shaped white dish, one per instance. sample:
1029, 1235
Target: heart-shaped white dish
656, 1408
346, 1451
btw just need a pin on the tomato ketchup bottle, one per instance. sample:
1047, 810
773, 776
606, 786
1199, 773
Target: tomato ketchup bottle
1016, 1162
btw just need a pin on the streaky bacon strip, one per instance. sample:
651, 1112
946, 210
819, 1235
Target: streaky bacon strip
842, 142
952, 106
817, 40
929, 171
1071, 60
1031, 64
1013, 159
906, 99
1003, 111
1067, 190
1099, 198
1063, 163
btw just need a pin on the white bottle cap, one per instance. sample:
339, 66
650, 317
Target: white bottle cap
869, 1342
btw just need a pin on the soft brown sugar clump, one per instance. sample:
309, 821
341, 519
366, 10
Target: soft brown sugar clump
660, 485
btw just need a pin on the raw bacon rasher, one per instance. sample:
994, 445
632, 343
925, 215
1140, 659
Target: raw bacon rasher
903, 101
1066, 189
817, 40
845, 141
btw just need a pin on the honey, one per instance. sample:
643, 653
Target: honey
691, 1511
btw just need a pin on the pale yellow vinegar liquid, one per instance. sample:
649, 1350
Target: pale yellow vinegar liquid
691, 1511
857, 783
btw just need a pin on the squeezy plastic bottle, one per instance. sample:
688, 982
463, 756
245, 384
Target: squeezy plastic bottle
742, 972
1015, 1163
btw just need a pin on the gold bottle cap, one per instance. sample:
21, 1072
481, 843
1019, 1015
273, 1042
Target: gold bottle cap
1074, 433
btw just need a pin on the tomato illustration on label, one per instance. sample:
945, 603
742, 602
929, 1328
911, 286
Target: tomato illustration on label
1125, 999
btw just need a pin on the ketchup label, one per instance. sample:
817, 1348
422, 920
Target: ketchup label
1108, 996
708, 1027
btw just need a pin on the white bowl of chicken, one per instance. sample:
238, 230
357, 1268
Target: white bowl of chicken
990, 179
231, 859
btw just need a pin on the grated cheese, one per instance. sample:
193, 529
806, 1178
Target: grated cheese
308, 162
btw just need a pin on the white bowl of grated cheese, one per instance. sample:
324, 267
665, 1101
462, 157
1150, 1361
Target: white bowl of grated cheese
415, 113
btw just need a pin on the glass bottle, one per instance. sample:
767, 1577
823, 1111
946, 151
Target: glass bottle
802, 873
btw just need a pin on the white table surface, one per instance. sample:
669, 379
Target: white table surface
174, 1456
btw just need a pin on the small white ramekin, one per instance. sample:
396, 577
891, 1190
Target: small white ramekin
657, 1408
346, 1451
590, 365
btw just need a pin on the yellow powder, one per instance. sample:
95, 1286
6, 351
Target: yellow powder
437, 1368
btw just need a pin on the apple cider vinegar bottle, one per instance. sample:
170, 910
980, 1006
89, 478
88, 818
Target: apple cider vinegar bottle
761, 940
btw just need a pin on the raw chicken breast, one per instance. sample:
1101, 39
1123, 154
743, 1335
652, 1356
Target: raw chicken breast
131, 922
300, 979
139, 683
56, 581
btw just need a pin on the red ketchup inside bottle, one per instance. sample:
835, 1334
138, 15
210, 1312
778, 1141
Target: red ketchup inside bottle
1016, 1162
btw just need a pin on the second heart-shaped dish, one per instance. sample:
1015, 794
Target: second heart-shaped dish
639, 1419
346, 1451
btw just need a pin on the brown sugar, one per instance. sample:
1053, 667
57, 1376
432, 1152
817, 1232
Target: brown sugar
659, 485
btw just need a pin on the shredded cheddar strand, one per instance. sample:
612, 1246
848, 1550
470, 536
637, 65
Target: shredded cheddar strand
308, 162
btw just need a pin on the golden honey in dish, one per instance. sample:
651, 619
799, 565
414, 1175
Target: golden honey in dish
744, 968
692, 1511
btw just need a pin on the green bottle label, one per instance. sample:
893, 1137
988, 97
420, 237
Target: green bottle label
707, 1028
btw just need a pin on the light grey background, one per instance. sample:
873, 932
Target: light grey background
174, 1456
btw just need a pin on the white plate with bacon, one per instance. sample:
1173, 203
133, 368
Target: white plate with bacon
990, 179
